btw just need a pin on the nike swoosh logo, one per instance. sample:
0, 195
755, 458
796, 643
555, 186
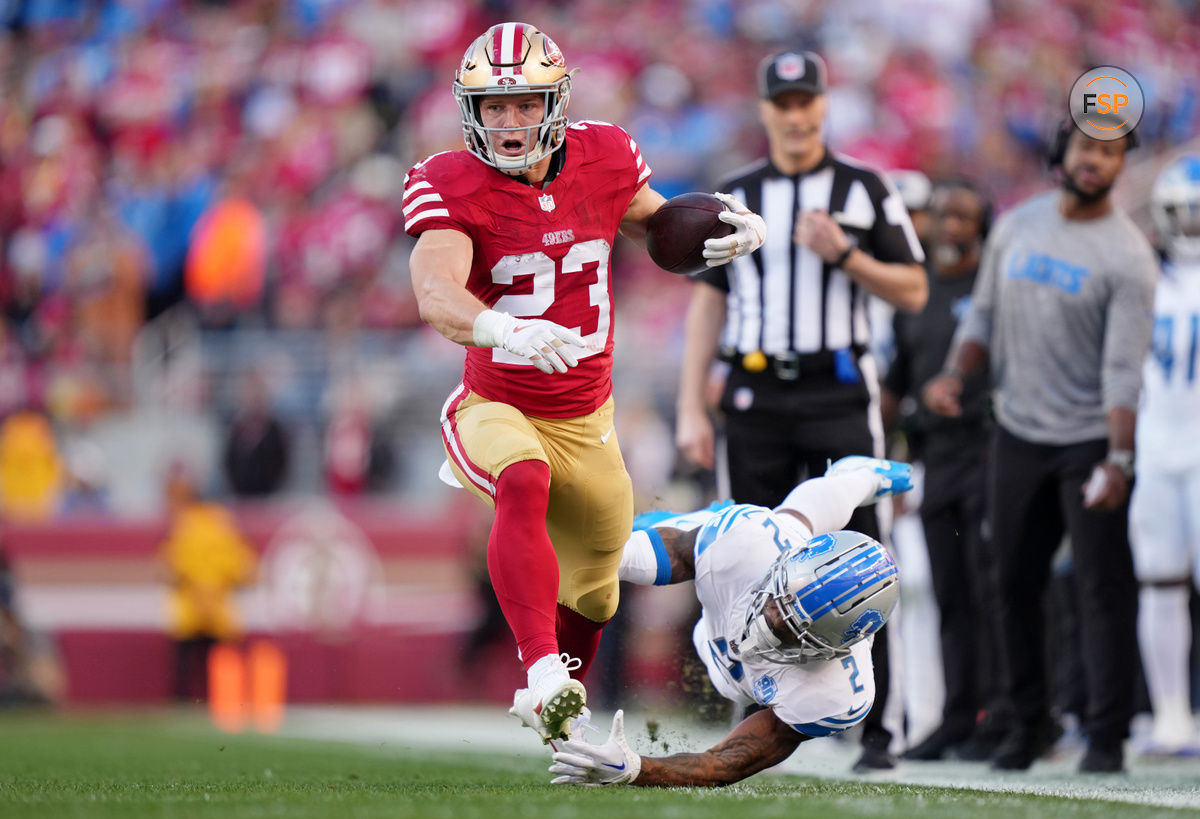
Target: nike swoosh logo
856, 709
620, 767
604, 438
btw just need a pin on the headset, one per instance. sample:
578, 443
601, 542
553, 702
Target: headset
1062, 135
986, 208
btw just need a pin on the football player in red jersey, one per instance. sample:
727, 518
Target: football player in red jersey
514, 238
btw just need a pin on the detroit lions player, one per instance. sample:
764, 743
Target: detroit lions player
785, 617
1164, 525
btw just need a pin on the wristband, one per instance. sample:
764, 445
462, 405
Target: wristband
954, 372
1122, 459
644, 560
841, 260
489, 328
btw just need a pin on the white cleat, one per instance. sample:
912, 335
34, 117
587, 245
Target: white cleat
894, 476
1169, 739
579, 728
522, 709
552, 700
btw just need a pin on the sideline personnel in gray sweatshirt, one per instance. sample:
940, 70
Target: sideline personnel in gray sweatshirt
1063, 311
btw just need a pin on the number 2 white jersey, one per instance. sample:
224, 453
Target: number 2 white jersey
734, 551
1168, 427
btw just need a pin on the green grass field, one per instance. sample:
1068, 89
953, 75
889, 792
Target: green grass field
167, 764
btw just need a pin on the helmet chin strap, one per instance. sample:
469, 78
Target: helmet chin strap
757, 638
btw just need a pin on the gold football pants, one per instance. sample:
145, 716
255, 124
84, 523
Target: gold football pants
590, 514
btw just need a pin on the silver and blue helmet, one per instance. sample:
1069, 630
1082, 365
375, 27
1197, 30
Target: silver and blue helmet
836, 590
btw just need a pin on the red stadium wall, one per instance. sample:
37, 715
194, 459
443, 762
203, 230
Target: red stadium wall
96, 588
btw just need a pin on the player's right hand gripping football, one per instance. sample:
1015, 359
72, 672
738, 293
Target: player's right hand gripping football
542, 342
749, 232
613, 763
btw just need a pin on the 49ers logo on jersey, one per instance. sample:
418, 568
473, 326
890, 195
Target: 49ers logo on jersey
558, 237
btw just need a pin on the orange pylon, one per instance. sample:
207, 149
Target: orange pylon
227, 687
268, 685
248, 686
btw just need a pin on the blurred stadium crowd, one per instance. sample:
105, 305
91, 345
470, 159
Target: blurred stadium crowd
198, 199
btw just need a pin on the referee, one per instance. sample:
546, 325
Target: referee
792, 320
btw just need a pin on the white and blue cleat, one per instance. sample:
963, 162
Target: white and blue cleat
894, 476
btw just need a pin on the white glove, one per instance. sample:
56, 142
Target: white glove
749, 232
613, 763
542, 342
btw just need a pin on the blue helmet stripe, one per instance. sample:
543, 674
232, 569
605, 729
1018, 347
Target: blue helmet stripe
845, 591
835, 588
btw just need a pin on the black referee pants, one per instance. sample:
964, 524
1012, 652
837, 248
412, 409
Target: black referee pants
768, 454
1034, 493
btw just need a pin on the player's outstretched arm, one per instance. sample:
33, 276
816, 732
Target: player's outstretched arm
759, 742
659, 556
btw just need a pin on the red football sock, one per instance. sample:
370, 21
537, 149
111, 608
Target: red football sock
579, 637
521, 559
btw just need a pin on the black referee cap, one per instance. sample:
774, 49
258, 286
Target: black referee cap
791, 71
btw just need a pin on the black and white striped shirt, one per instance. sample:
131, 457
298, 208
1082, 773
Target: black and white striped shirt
784, 298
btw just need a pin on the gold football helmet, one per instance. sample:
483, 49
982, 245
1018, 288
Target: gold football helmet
513, 58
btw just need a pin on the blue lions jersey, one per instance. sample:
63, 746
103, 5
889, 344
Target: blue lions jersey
734, 552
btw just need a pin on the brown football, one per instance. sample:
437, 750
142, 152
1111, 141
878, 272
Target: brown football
675, 233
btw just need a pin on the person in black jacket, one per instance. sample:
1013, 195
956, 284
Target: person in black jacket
257, 447
953, 451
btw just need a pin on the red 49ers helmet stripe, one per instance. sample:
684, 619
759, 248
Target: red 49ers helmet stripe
508, 49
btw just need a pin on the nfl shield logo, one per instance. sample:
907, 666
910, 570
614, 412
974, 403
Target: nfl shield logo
790, 67
547, 202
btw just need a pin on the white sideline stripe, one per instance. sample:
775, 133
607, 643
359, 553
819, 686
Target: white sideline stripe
490, 729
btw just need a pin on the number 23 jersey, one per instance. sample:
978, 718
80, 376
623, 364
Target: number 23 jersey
538, 253
734, 551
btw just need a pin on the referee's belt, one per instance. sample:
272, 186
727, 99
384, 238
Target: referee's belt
792, 366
